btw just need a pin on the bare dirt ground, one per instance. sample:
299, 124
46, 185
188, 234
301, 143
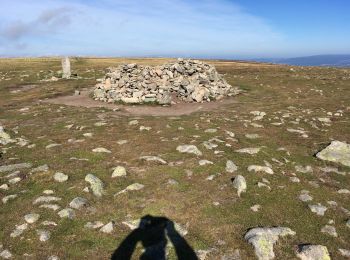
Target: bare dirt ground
178, 109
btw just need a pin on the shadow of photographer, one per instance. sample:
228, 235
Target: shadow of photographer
152, 232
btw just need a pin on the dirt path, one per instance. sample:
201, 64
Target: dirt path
181, 108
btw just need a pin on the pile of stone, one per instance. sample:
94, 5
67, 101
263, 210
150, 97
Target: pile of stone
187, 80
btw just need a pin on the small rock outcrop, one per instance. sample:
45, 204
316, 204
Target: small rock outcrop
311, 252
263, 239
338, 152
188, 80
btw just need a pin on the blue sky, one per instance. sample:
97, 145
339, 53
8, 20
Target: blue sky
186, 28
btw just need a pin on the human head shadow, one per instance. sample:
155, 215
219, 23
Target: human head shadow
152, 232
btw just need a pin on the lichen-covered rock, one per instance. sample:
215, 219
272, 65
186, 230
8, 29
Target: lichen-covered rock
338, 152
78, 203
313, 252
192, 149
5, 138
231, 167
67, 213
119, 171
240, 184
258, 168
96, 184
151, 158
263, 239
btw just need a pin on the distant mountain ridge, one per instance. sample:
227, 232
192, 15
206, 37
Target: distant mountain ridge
339, 60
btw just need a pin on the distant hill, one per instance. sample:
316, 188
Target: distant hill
341, 60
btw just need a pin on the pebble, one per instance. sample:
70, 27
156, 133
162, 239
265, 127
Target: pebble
9, 197
313, 252
191, 149
231, 167
132, 187
255, 207
240, 184
94, 225
330, 230
78, 203
303, 169
318, 209
54, 207
60, 177
31, 218
151, 158
46, 199
205, 162
119, 171
19, 230
67, 213
344, 252
250, 151
96, 184
108, 228
101, 150
5, 254
258, 168
43, 235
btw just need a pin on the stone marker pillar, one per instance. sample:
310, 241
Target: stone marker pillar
66, 68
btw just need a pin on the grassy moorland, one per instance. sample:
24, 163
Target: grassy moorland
201, 199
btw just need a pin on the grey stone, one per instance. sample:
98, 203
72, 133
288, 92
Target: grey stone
338, 152
119, 171
231, 167
9, 197
151, 158
60, 177
132, 187
263, 239
108, 228
192, 149
330, 230
250, 151
94, 225
44, 235
258, 168
240, 184
78, 203
46, 199
14, 167
19, 230
67, 213
6, 254
313, 252
318, 209
101, 150
96, 184
344, 252
31, 218
5, 138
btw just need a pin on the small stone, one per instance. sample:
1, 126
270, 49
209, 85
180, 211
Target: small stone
9, 197
108, 228
313, 252
87, 134
263, 239
255, 208
343, 191
119, 171
48, 192
54, 207
46, 199
344, 252
67, 213
101, 150
150, 158
240, 184
330, 230
5, 254
41, 168
14, 167
305, 197
318, 209
96, 184
49, 223
348, 223
19, 230
60, 177
204, 162
53, 257
94, 225
132, 187
78, 203
31, 218
294, 179
302, 169
191, 149
4, 186
231, 167
52, 146
15, 180
250, 151
133, 122
252, 136
258, 168
43, 235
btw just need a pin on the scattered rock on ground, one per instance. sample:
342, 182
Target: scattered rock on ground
31, 218
60, 177
231, 167
318, 209
313, 252
96, 184
67, 213
338, 152
263, 239
78, 203
119, 171
258, 168
240, 184
192, 149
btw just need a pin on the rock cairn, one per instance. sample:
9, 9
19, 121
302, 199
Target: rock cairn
187, 80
